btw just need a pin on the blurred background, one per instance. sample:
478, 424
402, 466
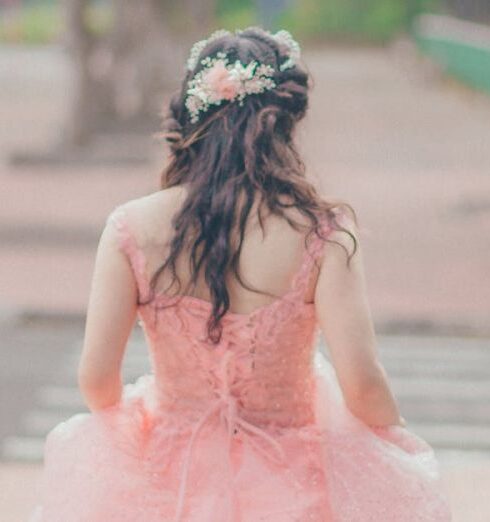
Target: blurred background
399, 126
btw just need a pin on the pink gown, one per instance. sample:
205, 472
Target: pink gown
252, 430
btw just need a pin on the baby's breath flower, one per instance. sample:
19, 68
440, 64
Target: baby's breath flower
220, 81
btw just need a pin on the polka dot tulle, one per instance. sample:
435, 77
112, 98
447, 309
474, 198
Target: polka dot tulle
253, 430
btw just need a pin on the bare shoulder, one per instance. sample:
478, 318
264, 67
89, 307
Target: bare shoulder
151, 215
342, 258
161, 200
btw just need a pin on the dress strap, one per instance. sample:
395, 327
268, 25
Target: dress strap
313, 253
128, 244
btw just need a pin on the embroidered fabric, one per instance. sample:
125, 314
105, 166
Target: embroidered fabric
254, 429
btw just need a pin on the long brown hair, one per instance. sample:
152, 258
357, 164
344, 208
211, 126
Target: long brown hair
234, 153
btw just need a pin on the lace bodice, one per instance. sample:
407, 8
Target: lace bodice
259, 380
263, 361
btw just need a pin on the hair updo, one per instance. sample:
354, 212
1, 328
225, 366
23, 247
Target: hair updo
237, 151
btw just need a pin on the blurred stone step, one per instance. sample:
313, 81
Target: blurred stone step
457, 436
433, 409
444, 389
22, 448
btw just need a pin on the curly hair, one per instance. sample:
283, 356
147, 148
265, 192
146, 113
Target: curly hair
234, 153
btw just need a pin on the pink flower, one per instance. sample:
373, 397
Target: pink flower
220, 82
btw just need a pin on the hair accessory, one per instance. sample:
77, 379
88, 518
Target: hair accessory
219, 81
283, 37
286, 39
200, 45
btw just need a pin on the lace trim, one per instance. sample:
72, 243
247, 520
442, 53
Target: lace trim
128, 244
314, 251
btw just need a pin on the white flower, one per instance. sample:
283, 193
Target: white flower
219, 81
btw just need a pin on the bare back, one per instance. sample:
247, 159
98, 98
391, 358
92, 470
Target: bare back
268, 261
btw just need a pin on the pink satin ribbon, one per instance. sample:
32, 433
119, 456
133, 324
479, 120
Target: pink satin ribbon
226, 405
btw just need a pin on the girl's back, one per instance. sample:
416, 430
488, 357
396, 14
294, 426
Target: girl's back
268, 260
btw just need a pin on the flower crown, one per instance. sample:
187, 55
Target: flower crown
221, 81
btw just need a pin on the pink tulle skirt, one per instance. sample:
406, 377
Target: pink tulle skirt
125, 463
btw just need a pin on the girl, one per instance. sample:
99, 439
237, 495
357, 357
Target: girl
233, 269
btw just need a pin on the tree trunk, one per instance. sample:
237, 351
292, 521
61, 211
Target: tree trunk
120, 78
79, 43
